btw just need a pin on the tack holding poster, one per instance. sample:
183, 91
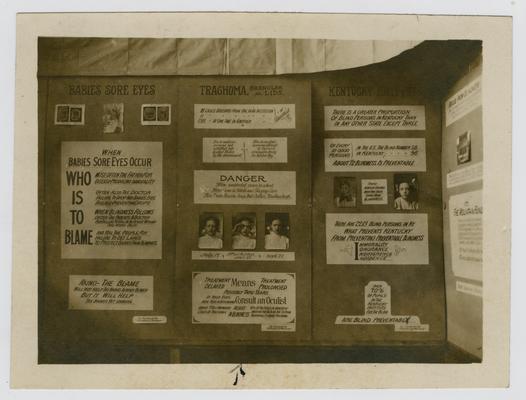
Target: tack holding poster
400, 154
110, 292
245, 187
244, 116
111, 200
378, 311
377, 239
245, 150
375, 117
465, 219
243, 298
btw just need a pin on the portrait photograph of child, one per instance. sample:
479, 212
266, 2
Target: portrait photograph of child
244, 231
405, 192
277, 231
345, 192
210, 231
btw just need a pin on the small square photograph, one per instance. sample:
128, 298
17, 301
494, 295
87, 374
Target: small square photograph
344, 192
156, 114
464, 148
405, 192
113, 118
149, 113
210, 231
163, 114
277, 231
244, 231
69, 114
62, 114
75, 114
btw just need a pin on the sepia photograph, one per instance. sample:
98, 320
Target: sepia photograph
464, 148
275, 208
244, 231
210, 231
156, 114
277, 231
345, 192
405, 192
113, 118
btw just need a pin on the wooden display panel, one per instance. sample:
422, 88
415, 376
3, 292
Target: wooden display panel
232, 114
410, 283
66, 316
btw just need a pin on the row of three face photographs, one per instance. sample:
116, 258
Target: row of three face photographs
243, 231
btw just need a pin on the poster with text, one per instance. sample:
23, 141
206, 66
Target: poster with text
375, 118
245, 150
110, 292
465, 220
111, 200
464, 101
374, 191
377, 239
244, 116
400, 154
243, 298
245, 187
378, 311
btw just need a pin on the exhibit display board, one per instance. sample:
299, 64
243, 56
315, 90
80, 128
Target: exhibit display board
107, 224
243, 231
184, 209
377, 209
263, 210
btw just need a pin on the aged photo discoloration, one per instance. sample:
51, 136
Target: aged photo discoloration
207, 200
263, 149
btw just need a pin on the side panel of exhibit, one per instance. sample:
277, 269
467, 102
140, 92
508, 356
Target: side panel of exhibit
462, 183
